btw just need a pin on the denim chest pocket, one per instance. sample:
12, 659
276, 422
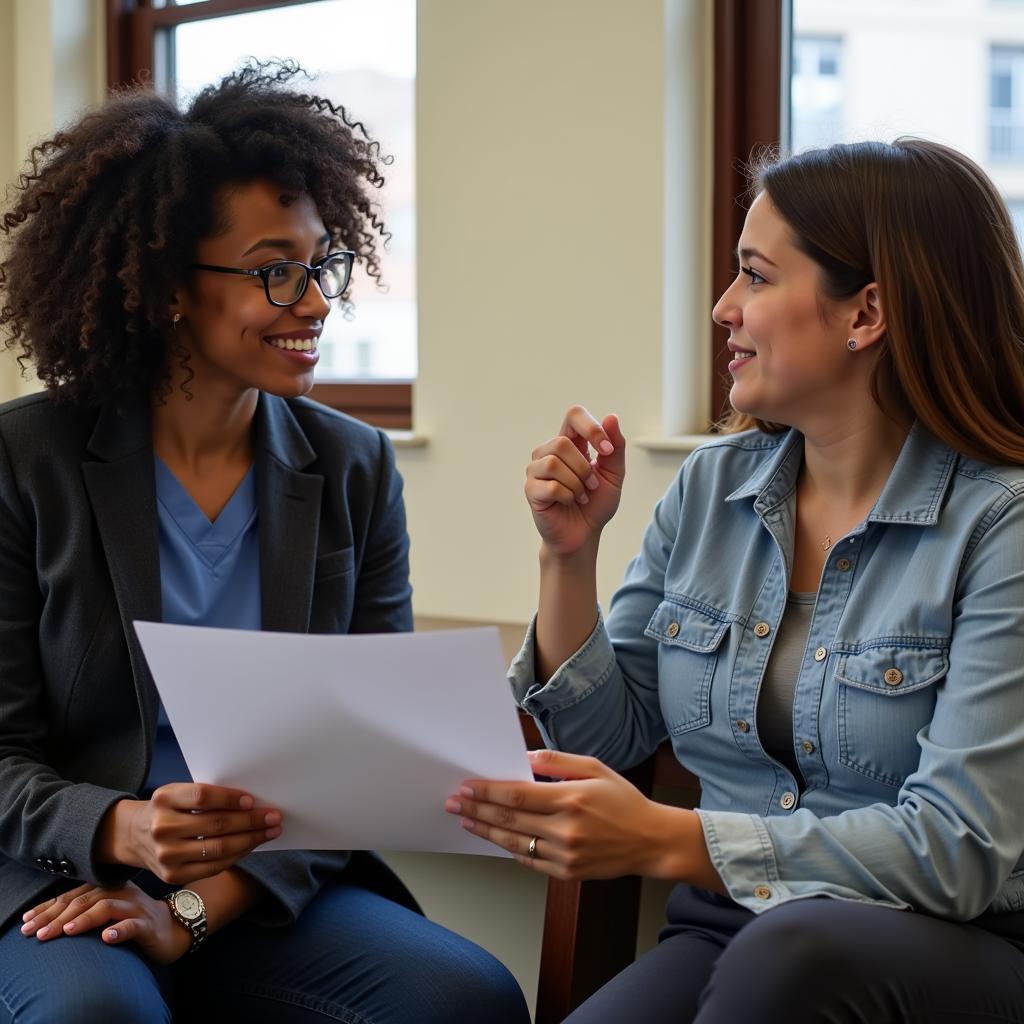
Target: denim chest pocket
886, 696
688, 643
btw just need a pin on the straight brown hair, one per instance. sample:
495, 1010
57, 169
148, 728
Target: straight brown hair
926, 223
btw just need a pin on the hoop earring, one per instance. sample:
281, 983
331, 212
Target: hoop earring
851, 344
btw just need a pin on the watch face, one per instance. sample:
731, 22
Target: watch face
187, 904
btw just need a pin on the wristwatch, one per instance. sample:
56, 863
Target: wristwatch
188, 909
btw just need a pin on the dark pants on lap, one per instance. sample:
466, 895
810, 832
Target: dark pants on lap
353, 956
816, 961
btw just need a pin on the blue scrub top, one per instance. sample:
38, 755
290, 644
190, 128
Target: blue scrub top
209, 576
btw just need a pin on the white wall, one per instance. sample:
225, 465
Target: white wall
8, 150
540, 193
52, 65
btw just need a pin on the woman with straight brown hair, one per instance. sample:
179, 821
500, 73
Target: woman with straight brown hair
825, 619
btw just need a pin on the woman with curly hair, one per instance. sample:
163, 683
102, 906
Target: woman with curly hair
167, 276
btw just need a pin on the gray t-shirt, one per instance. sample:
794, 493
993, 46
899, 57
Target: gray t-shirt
775, 701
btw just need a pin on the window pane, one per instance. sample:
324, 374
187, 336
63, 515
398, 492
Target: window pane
947, 70
363, 54
816, 90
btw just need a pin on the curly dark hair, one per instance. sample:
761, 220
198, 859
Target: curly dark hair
106, 219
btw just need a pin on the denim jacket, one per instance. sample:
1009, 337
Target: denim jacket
908, 713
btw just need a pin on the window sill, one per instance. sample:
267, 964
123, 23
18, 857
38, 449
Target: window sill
678, 443
406, 438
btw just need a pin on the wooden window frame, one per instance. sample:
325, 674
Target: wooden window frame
749, 40
131, 30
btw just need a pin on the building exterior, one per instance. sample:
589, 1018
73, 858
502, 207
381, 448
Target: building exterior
949, 70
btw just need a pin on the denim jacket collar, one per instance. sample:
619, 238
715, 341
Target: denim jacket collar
912, 494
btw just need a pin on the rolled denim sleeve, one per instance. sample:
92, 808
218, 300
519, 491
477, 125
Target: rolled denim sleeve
573, 682
956, 832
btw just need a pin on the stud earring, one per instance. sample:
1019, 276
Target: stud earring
851, 344
175, 319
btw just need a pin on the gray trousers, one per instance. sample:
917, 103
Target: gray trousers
817, 961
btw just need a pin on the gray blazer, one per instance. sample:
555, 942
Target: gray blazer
79, 562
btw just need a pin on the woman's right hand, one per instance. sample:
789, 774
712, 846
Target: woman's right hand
572, 496
186, 831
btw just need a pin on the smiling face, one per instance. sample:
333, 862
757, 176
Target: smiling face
235, 338
790, 364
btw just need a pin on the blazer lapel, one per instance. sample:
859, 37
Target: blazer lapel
289, 517
122, 493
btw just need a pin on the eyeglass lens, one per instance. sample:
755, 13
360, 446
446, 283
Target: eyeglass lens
287, 281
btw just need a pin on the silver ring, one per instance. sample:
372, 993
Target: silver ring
531, 850
202, 839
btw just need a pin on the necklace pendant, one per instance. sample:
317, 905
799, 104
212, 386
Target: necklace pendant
827, 544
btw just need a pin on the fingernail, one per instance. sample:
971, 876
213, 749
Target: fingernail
26, 929
43, 932
592, 481
28, 915
69, 927
112, 934
453, 806
273, 818
606, 447
583, 498
533, 754
245, 802
467, 791
468, 824
273, 833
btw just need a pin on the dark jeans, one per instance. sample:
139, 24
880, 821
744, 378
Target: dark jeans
353, 956
816, 960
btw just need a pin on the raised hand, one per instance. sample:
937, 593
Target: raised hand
186, 831
571, 494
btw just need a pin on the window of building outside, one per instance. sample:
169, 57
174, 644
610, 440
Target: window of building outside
816, 88
947, 70
360, 54
1006, 103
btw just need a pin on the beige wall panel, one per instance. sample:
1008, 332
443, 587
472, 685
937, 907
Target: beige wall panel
539, 157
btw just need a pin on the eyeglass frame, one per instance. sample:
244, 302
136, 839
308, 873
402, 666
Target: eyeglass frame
311, 271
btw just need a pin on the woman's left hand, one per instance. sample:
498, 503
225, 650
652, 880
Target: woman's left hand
593, 824
132, 915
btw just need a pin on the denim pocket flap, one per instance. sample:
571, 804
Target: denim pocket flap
895, 669
682, 626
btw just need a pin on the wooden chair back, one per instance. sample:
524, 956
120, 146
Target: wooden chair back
590, 928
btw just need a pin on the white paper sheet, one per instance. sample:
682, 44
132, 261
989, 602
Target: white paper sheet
357, 740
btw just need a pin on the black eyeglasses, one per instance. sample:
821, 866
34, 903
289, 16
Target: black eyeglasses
286, 281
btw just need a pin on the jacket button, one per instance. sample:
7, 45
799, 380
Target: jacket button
673, 629
762, 892
893, 677
808, 747
787, 801
742, 724
820, 654
843, 564
65, 867
762, 629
